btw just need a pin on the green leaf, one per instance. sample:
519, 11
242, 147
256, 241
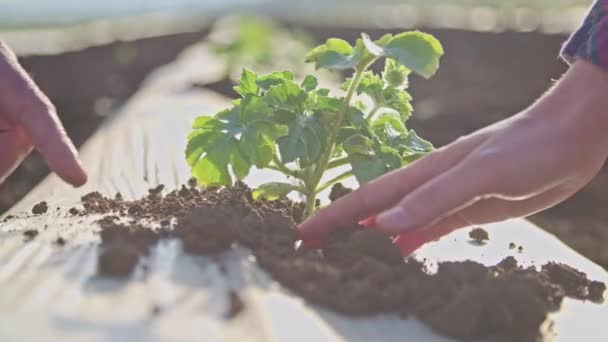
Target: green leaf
207, 123
240, 164
399, 100
337, 54
273, 190
310, 83
286, 96
393, 119
365, 168
210, 152
357, 143
372, 86
417, 144
336, 45
415, 50
395, 74
305, 140
272, 79
247, 84
356, 118
257, 144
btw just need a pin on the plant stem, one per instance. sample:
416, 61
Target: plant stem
337, 162
373, 111
330, 182
329, 149
278, 166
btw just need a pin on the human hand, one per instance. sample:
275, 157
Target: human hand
28, 120
514, 168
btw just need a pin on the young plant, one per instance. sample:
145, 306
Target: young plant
303, 131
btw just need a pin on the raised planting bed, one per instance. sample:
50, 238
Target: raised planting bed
159, 271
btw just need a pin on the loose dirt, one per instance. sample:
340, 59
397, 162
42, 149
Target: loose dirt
30, 234
40, 208
479, 235
358, 272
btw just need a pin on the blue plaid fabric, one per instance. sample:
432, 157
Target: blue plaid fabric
590, 41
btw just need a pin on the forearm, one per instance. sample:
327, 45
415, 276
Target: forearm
578, 102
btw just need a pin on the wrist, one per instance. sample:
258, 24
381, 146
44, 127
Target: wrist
578, 101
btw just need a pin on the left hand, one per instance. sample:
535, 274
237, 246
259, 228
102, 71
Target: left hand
29, 120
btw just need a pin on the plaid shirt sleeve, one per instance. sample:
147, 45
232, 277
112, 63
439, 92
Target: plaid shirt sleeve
590, 41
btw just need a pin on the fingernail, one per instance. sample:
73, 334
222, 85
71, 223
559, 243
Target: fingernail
369, 222
393, 218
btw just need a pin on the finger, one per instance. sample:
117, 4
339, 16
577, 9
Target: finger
483, 212
15, 147
454, 189
385, 191
48, 136
29, 108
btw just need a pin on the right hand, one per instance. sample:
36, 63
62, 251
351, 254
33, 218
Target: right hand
514, 168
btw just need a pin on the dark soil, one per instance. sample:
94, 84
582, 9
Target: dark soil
479, 235
358, 272
40, 208
30, 234
235, 305
338, 190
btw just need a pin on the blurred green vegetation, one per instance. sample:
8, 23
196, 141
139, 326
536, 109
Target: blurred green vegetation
260, 44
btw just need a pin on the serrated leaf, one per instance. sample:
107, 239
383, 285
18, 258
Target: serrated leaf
209, 154
239, 163
415, 50
392, 119
207, 123
323, 92
356, 118
304, 142
399, 100
272, 79
417, 144
273, 190
337, 54
247, 84
372, 86
309, 83
365, 168
391, 157
395, 74
336, 45
287, 96
257, 146
357, 143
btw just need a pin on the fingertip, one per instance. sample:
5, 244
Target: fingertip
306, 230
74, 175
80, 178
393, 221
369, 222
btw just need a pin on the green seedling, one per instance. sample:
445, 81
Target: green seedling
303, 130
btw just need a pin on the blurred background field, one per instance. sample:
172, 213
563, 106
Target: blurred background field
89, 57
